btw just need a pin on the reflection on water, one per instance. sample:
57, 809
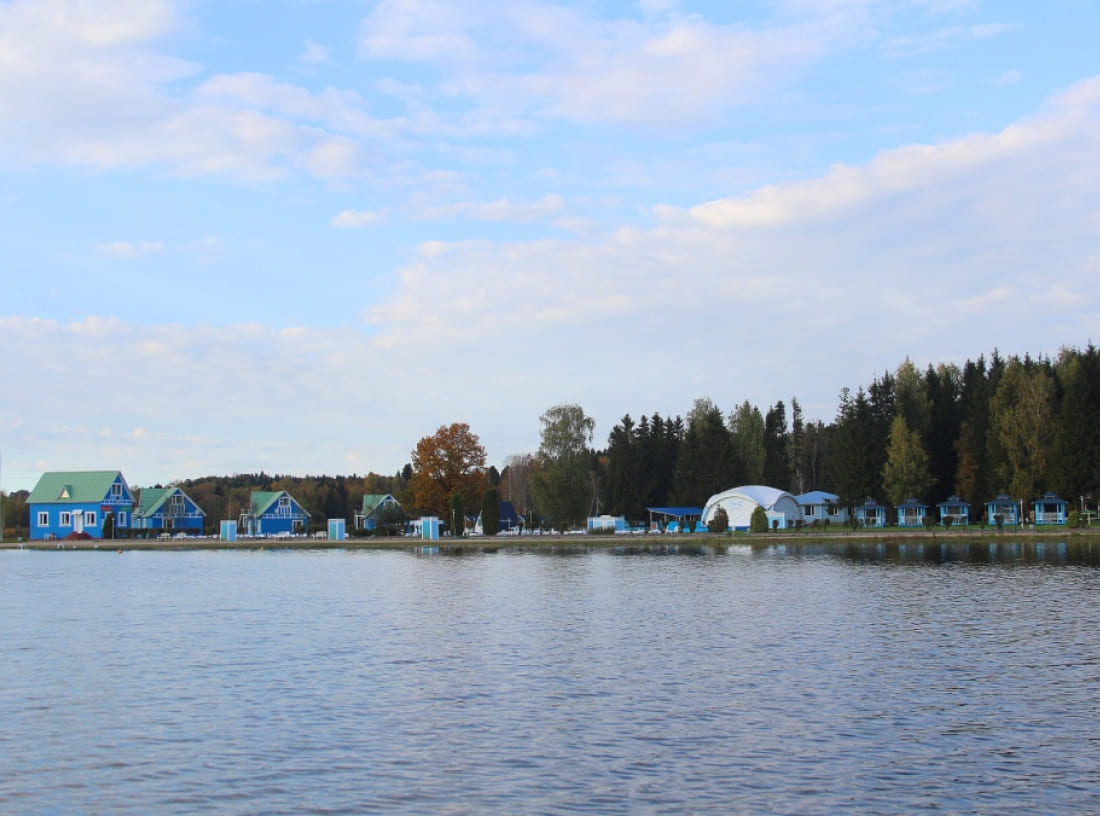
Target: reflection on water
945, 550
857, 677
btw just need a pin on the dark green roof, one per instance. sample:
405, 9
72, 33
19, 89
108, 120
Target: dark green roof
262, 500
152, 498
73, 487
372, 501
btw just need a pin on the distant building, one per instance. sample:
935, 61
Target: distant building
870, 513
955, 509
508, 519
740, 502
911, 512
67, 503
378, 509
822, 507
274, 513
1049, 509
168, 509
1007, 508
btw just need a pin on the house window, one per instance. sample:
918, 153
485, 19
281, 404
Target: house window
90, 518
116, 491
122, 518
65, 519
43, 518
284, 506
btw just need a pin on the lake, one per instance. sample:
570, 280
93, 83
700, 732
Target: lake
856, 678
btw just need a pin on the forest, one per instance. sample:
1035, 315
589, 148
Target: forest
1020, 426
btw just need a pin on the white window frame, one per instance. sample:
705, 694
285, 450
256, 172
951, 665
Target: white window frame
116, 491
64, 519
121, 518
43, 518
90, 518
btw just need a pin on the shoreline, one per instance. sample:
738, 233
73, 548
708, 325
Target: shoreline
567, 543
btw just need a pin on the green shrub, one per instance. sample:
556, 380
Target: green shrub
758, 523
719, 522
1074, 519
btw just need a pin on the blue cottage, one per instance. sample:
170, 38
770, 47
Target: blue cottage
379, 509
822, 507
955, 509
1049, 509
1007, 508
168, 509
77, 503
870, 514
911, 512
274, 513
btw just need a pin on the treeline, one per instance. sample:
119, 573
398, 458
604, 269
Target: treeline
1018, 426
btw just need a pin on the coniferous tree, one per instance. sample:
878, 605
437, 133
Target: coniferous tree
704, 465
1076, 470
490, 511
777, 472
747, 440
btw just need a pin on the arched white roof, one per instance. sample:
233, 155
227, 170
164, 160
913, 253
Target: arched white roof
739, 502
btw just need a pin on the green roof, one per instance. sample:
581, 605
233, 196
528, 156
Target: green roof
153, 497
74, 487
262, 500
371, 501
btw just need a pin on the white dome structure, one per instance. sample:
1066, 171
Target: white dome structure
739, 502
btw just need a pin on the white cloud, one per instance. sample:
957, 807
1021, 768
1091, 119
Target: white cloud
552, 60
313, 54
943, 39
130, 249
352, 219
501, 209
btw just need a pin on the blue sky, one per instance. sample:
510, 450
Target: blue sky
299, 236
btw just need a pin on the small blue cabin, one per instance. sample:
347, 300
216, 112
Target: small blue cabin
955, 509
379, 509
76, 503
822, 507
870, 513
272, 513
911, 512
1007, 508
168, 509
1049, 509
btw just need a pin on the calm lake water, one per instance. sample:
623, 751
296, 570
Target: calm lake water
865, 679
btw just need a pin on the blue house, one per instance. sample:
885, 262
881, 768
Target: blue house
870, 513
955, 509
911, 513
822, 507
1049, 509
1008, 509
274, 513
508, 519
76, 503
378, 509
168, 508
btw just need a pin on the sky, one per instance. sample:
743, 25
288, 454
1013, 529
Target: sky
299, 235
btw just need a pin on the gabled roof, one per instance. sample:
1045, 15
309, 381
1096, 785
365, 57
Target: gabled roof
372, 501
263, 500
153, 498
74, 487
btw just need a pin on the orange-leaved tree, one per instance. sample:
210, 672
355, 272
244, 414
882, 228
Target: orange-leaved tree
450, 461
